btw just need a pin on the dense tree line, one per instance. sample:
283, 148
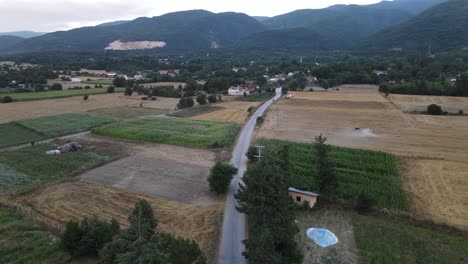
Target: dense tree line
138, 244
30, 75
265, 200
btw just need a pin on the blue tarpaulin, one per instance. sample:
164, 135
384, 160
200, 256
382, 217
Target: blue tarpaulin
322, 237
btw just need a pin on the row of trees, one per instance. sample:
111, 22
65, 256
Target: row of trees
138, 244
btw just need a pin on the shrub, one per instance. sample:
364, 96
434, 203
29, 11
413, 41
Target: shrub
185, 103
89, 236
364, 203
87, 87
251, 109
201, 99
128, 92
220, 177
251, 153
56, 87
212, 98
434, 109
7, 99
70, 239
460, 112
260, 120
190, 102
86, 97
111, 89
285, 90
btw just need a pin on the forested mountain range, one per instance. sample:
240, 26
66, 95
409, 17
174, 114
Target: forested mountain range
339, 27
440, 28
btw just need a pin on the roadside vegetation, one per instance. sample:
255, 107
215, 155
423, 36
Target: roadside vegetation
174, 131
357, 171
28, 167
31, 96
264, 198
24, 241
220, 177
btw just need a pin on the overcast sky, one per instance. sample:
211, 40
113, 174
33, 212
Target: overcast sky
53, 15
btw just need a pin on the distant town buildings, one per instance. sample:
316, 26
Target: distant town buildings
242, 89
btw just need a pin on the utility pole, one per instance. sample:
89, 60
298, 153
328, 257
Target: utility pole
259, 151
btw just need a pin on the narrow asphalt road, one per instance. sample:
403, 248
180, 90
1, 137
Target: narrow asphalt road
234, 226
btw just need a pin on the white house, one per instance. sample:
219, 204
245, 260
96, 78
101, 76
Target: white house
75, 80
238, 90
111, 74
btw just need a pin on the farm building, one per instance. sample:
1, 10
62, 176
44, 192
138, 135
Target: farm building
241, 89
300, 197
75, 80
111, 75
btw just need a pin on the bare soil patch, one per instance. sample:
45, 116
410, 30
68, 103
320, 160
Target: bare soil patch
164, 171
419, 103
22, 110
142, 174
340, 224
338, 114
438, 190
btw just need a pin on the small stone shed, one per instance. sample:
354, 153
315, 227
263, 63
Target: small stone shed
300, 197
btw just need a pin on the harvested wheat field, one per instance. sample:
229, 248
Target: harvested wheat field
76, 200
419, 103
438, 190
368, 121
234, 111
22, 110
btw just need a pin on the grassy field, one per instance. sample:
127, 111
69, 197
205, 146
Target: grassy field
36, 129
257, 97
101, 82
24, 168
174, 131
23, 241
57, 94
195, 111
13, 134
390, 241
358, 171
64, 124
122, 113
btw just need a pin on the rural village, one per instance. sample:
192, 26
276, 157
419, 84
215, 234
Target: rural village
232, 158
